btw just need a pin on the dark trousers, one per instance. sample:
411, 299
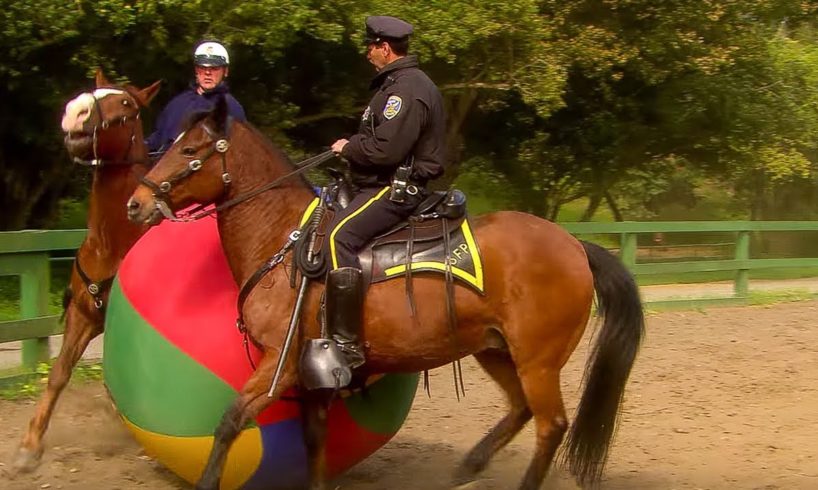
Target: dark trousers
369, 214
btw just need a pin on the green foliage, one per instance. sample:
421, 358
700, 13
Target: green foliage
628, 104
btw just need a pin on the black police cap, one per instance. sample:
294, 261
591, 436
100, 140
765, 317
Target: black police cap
384, 27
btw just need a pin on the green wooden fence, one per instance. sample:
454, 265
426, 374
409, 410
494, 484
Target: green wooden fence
28, 254
741, 264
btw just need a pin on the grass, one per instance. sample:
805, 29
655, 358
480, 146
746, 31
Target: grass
762, 298
717, 276
17, 386
755, 298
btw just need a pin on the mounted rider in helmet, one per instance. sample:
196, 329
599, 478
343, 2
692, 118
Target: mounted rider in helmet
211, 66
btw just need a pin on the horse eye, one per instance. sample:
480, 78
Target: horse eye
188, 151
125, 102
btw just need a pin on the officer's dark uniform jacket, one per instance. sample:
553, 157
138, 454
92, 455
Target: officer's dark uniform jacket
405, 117
173, 116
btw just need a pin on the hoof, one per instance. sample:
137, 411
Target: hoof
26, 460
464, 486
467, 473
464, 478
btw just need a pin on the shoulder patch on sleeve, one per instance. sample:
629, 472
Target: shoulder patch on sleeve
392, 107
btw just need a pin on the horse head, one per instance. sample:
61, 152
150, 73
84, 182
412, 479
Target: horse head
192, 171
102, 126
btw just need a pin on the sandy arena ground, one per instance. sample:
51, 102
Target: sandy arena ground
721, 398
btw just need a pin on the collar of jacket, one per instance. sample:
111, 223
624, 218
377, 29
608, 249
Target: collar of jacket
408, 61
221, 88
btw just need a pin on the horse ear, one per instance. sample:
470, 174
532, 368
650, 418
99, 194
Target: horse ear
100, 79
220, 114
147, 94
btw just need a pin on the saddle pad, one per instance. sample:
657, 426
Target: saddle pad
389, 260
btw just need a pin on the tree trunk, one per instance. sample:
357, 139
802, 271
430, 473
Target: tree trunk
614, 208
593, 205
458, 108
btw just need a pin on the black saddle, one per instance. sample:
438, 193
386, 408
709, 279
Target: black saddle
438, 232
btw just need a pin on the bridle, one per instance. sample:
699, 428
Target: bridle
98, 289
106, 123
219, 145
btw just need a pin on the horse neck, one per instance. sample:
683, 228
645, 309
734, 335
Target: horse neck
109, 229
253, 231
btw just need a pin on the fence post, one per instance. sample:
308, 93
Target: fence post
627, 249
34, 291
741, 286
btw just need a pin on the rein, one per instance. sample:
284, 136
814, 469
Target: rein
220, 146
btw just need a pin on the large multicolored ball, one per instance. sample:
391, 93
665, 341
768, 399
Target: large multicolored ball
174, 361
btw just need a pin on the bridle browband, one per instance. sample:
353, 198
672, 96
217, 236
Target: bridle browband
220, 146
103, 125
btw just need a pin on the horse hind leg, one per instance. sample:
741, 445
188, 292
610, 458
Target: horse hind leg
542, 390
500, 367
79, 330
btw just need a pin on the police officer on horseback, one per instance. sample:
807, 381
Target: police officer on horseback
211, 67
400, 146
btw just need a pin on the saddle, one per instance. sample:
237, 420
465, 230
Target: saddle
437, 237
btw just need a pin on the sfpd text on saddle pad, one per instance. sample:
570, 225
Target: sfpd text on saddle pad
389, 260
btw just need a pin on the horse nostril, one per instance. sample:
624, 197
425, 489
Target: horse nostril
133, 205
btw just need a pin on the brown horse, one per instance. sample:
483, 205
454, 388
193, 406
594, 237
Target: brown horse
539, 288
103, 131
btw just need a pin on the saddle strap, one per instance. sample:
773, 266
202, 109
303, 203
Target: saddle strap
410, 290
449, 278
457, 369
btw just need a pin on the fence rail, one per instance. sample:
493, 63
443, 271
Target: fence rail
28, 254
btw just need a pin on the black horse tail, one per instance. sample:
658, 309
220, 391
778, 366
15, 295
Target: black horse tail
67, 296
608, 367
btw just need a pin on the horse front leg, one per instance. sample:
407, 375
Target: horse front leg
79, 330
315, 410
251, 401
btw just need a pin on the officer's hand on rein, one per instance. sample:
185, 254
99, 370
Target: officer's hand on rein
339, 145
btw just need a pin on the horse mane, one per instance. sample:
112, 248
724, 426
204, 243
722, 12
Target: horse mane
277, 152
196, 117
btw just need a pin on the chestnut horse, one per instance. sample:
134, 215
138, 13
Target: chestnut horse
539, 287
103, 131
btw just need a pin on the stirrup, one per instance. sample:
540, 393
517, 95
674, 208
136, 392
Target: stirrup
352, 351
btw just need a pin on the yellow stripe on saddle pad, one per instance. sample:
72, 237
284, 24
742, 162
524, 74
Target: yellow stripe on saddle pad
465, 260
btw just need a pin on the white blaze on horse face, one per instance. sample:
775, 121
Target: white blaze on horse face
79, 109
101, 93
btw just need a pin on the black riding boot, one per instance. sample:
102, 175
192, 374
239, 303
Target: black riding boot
344, 310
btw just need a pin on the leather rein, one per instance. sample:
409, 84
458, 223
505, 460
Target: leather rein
219, 147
